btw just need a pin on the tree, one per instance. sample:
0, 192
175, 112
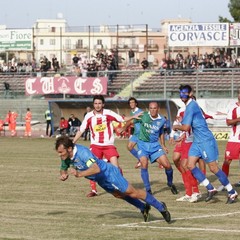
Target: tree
234, 9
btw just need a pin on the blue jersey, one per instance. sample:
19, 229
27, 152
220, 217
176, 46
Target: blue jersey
151, 128
109, 177
194, 117
137, 124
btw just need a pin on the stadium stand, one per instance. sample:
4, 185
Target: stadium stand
16, 85
215, 84
121, 80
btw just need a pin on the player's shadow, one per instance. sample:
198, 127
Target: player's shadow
165, 188
141, 185
132, 215
56, 212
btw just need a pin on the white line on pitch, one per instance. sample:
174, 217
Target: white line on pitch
131, 225
182, 228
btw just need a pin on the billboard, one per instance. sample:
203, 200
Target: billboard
16, 39
234, 34
198, 34
66, 85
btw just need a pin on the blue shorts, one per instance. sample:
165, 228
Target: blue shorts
208, 151
133, 138
150, 150
111, 179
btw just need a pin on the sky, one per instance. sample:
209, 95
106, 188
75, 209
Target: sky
24, 13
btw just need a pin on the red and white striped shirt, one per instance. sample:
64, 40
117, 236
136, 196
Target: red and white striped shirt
233, 113
101, 127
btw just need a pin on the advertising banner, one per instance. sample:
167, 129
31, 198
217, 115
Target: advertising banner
18, 39
198, 34
219, 136
66, 85
234, 34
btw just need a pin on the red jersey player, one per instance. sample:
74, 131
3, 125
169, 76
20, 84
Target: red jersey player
232, 151
99, 121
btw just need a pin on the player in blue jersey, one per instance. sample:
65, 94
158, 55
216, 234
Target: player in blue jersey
133, 104
149, 147
204, 145
86, 164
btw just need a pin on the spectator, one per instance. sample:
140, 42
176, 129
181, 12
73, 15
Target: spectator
55, 64
73, 125
6, 89
131, 56
144, 63
63, 126
75, 60
45, 64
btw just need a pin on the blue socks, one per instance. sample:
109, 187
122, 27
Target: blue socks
169, 173
134, 153
151, 200
145, 178
135, 202
224, 180
198, 174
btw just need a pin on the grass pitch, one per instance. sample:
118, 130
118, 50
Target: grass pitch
35, 204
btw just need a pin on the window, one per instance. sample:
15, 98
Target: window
68, 43
150, 42
41, 41
99, 42
79, 43
52, 41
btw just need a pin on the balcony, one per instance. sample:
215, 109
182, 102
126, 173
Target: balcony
125, 47
77, 47
152, 47
98, 47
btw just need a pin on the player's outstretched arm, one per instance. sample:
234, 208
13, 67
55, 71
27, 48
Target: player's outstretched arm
94, 169
77, 136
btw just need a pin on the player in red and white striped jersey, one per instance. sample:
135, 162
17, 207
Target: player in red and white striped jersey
232, 151
99, 121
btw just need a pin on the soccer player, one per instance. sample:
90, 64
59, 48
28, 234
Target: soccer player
204, 145
183, 141
151, 130
232, 151
133, 104
99, 121
86, 164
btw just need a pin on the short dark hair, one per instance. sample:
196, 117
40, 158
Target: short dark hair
99, 97
65, 141
133, 99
